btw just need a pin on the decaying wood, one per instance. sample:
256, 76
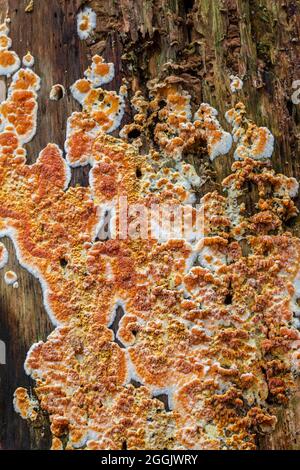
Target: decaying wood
202, 43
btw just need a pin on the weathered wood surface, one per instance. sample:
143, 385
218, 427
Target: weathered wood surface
202, 42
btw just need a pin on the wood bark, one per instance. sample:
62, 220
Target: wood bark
202, 43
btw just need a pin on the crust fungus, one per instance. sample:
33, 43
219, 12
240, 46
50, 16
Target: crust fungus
57, 92
200, 322
86, 23
253, 141
3, 255
9, 61
28, 60
10, 278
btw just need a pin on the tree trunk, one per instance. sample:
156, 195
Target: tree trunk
201, 43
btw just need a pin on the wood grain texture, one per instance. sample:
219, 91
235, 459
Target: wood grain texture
202, 43
49, 32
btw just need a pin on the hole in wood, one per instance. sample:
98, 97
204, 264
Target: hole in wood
188, 5
163, 397
115, 325
228, 299
135, 383
134, 134
138, 173
63, 262
104, 232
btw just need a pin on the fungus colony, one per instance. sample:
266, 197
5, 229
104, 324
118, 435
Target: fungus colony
86, 23
210, 324
10, 278
236, 84
3, 256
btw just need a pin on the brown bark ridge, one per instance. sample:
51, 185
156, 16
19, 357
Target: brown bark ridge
202, 43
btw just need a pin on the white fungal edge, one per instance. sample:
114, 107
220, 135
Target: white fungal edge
38, 373
9, 42
108, 206
80, 97
269, 148
28, 63
98, 80
293, 303
105, 210
266, 153
4, 28
12, 281
27, 369
8, 71
223, 147
4, 257
119, 114
16, 76
293, 191
238, 133
92, 18
139, 320
169, 391
233, 210
15, 405
33, 405
225, 143
77, 95
70, 131
12, 234
236, 83
94, 133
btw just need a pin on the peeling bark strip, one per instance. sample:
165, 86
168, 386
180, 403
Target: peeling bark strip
211, 327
